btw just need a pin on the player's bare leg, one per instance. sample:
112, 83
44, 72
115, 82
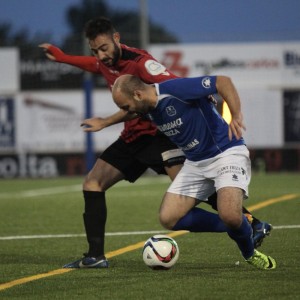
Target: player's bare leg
102, 177
230, 211
173, 208
260, 228
230, 206
178, 212
173, 171
99, 179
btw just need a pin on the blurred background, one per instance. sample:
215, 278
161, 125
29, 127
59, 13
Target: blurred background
42, 103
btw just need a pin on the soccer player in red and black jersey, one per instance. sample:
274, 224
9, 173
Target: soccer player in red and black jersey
140, 146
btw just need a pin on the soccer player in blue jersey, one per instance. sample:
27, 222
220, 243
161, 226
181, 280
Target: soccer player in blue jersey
217, 158
140, 145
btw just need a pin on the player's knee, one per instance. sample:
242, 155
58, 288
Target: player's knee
233, 221
90, 183
166, 220
167, 225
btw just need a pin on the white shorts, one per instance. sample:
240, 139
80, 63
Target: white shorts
200, 179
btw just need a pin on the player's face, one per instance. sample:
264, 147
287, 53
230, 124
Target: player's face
133, 106
106, 48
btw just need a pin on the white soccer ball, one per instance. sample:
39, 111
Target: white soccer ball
160, 252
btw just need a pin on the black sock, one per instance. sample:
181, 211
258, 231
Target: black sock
95, 214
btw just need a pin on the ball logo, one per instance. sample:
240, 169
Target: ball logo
206, 82
154, 68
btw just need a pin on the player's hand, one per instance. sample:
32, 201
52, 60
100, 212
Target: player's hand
236, 126
52, 52
93, 124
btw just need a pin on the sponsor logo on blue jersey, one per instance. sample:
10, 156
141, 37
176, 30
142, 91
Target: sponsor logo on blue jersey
191, 145
171, 111
171, 128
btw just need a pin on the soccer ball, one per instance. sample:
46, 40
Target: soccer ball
160, 252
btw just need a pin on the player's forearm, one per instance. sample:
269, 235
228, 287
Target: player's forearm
87, 63
119, 117
228, 92
98, 123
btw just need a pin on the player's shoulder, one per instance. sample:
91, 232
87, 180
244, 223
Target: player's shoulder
134, 54
145, 65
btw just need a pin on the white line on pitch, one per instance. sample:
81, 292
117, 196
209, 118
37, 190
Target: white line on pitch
78, 188
286, 227
51, 236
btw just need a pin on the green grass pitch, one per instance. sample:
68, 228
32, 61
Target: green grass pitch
43, 211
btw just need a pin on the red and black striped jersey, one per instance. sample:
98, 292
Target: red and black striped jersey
132, 61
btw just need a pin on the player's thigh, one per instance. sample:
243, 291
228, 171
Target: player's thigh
230, 202
123, 157
174, 207
172, 171
102, 176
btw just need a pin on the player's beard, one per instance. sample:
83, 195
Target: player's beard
115, 56
143, 109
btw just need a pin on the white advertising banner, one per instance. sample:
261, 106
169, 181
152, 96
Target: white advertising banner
36, 122
260, 71
50, 121
267, 65
263, 117
9, 70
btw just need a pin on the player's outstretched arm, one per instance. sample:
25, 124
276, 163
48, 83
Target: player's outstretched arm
93, 124
98, 123
52, 52
87, 63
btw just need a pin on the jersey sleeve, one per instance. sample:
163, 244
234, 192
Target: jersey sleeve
151, 71
87, 63
189, 88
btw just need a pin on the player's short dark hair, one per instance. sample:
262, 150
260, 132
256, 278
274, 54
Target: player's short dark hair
100, 25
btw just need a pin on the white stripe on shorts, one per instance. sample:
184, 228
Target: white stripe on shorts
172, 154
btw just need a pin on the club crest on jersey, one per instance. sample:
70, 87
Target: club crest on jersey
206, 82
155, 68
171, 111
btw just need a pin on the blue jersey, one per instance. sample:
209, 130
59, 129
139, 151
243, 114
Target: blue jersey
185, 114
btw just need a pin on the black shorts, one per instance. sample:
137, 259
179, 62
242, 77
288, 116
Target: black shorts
147, 151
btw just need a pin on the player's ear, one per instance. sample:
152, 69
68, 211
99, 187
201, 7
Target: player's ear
137, 95
116, 37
